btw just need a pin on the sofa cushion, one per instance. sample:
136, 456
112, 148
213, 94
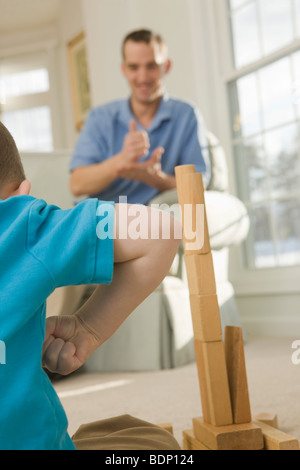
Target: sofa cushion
227, 218
218, 163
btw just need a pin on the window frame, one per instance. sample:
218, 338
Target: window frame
19, 60
247, 280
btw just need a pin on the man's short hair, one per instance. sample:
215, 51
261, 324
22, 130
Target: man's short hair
143, 35
11, 168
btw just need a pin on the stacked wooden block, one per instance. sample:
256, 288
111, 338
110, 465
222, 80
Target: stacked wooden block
226, 423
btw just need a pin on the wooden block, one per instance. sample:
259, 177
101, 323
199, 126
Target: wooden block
206, 318
213, 381
190, 442
237, 375
180, 171
194, 218
167, 427
268, 418
200, 274
190, 191
247, 436
203, 376
275, 439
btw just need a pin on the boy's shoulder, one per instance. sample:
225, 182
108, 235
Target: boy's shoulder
20, 216
15, 207
20, 210
22, 205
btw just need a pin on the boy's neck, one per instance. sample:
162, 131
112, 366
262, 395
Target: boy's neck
8, 190
15, 189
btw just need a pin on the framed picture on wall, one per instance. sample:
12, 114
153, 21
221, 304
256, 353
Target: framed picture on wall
79, 76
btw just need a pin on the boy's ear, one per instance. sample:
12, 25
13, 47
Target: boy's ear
23, 189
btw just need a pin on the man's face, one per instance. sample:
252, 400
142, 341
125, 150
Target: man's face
144, 67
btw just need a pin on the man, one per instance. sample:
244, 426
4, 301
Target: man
131, 147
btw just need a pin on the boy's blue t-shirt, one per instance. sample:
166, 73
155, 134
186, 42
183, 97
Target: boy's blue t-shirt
41, 248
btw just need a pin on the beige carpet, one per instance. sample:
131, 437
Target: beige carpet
173, 395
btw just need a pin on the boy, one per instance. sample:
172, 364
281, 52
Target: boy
41, 248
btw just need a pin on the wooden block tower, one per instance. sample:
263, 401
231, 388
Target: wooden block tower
227, 422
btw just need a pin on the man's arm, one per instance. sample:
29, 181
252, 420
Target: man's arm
149, 172
140, 266
95, 178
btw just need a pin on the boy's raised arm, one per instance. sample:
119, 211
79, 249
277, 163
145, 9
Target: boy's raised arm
140, 265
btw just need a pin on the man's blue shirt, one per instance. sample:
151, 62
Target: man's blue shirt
178, 127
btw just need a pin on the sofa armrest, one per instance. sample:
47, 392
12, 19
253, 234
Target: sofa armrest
227, 216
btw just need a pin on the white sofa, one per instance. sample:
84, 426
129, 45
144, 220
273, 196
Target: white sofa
159, 333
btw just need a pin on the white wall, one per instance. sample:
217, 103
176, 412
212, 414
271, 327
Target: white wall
70, 24
275, 315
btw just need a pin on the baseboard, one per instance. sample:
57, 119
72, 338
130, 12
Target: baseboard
286, 327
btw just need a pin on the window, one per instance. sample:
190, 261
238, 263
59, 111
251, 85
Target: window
265, 120
25, 83
255, 26
25, 102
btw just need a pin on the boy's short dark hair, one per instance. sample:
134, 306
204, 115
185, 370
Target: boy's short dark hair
11, 168
143, 35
